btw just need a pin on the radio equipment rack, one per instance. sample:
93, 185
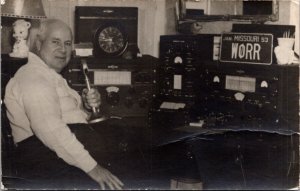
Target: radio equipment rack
127, 87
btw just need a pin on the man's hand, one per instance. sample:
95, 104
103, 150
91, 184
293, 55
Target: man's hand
105, 178
91, 98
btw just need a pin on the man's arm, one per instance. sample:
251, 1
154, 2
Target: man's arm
42, 106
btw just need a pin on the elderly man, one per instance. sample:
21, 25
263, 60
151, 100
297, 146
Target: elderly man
41, 107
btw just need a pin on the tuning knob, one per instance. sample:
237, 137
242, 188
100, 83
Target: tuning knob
113, 98
128, 102
143, 102
131, 91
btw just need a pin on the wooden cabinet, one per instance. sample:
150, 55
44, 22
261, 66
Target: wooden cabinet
9, 67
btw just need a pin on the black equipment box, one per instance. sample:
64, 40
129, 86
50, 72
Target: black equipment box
248, 96
179, 56
194, 86
177, 74
127, 87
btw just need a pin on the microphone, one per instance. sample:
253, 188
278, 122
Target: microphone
96, 117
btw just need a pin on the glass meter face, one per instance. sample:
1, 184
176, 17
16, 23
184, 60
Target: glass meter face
243, 84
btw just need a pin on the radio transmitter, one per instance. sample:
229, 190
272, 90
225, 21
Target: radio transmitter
248, 96
195, 86
126, 86
179, 57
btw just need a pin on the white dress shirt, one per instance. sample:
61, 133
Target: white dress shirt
40, 102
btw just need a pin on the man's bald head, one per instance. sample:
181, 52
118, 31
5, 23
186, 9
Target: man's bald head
51, 24
54, 43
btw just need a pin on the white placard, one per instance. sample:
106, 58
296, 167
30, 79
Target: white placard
84, 52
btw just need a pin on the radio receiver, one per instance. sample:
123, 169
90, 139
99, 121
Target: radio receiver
126, 86
245, 96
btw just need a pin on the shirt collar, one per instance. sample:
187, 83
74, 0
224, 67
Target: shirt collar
37, 61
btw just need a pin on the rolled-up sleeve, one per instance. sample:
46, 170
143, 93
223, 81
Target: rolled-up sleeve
42, 106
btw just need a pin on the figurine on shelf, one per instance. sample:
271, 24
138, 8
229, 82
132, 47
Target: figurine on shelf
20, 48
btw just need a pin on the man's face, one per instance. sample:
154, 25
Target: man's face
56, 49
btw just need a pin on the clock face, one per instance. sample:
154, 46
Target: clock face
111, 40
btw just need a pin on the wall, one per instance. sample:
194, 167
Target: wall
151, 19
222, 26
151, 22
156, 17
294, 19
288, 15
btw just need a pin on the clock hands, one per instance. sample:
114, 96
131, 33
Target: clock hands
111, 40
106, 39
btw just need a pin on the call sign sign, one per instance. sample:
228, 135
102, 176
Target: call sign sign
252, 48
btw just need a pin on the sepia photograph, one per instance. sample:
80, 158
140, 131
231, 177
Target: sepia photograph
150, 95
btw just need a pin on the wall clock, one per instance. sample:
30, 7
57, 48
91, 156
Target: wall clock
110, 40
113, 31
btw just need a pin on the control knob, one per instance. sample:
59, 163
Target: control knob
128, 102
143, 102
112, 96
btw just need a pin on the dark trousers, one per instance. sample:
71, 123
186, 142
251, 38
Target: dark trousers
110, 146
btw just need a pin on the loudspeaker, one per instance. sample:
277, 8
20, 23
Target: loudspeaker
113, 31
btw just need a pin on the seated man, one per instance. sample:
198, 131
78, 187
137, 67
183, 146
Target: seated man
40, 105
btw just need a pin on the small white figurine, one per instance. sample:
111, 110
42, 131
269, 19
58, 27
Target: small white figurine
20, 48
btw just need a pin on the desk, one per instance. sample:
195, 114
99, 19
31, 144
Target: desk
221, 158
248, 160
228, 159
